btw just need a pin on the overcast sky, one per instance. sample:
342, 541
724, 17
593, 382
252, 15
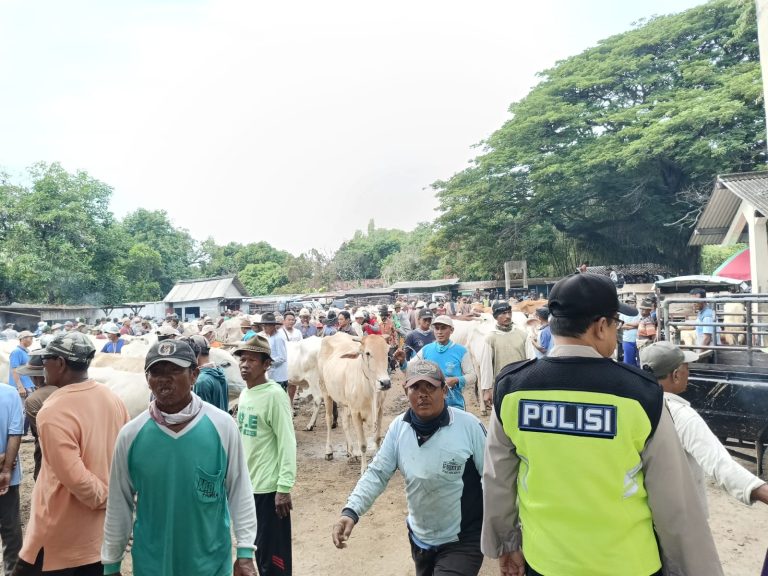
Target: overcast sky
290, 122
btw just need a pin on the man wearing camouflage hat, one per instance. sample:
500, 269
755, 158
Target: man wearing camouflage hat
78, 426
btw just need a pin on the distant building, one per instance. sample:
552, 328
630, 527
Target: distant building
193, 298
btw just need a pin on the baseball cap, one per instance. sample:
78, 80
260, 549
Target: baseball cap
424, 371
174, 351
110, 329
662, 358
25, 334
359, 314
201, 343
443, 319
207, 329
73, 346
500, 307
424, 313
586, 295
258, 344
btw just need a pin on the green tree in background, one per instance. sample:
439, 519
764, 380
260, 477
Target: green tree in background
607, 148
178, 251
263, 278
363, 255
53, 236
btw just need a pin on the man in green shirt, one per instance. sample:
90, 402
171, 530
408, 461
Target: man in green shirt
265, 420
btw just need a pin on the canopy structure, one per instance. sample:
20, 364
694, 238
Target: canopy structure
737, 266
738, 211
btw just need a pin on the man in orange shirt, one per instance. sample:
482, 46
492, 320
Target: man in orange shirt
78, 427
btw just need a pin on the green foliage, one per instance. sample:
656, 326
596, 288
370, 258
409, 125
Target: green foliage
178, 251
363, 255
713, 256
263, 278
603, 154
415, 260
53, 234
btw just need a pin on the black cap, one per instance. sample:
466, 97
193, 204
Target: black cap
175, 351
584, 296
500, 307
425, 313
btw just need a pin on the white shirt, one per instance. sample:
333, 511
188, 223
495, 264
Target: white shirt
292, 336
706, 455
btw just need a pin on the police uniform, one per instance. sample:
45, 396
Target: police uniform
583, 454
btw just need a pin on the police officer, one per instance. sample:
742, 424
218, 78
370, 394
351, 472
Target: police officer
584, 456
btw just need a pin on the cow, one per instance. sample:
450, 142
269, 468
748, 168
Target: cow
304, 371
135, 365
528, 307
353, 372
130, 387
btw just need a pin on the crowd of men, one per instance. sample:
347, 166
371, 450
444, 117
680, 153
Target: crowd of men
588, 466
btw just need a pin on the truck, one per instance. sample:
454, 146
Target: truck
728, 386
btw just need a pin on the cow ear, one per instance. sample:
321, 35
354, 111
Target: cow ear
351, 355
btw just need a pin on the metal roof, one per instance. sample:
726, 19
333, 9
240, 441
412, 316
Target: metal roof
204, 289
723, 206
423, 284
368, 291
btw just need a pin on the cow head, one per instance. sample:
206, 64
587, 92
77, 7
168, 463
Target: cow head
374, 350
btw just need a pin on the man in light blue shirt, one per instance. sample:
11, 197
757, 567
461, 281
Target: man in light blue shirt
11, 430
440, 451
278, 371
629, 335
705, 320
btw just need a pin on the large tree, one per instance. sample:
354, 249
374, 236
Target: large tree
55, 237
177, 249
604, 154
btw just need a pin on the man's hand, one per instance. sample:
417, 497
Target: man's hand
488, 398
283, 504
5, 481
399, 356
760, 494
341, 531
244, 567
512, 564
451, 382
22, 391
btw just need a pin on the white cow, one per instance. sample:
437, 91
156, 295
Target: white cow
354, 374
130, 387
304, 371
135, 365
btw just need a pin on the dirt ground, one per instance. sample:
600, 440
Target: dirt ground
379, 546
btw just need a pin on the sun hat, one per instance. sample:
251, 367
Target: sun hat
258, 344
34, 366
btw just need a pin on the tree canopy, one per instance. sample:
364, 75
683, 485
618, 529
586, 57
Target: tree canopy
606, 152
